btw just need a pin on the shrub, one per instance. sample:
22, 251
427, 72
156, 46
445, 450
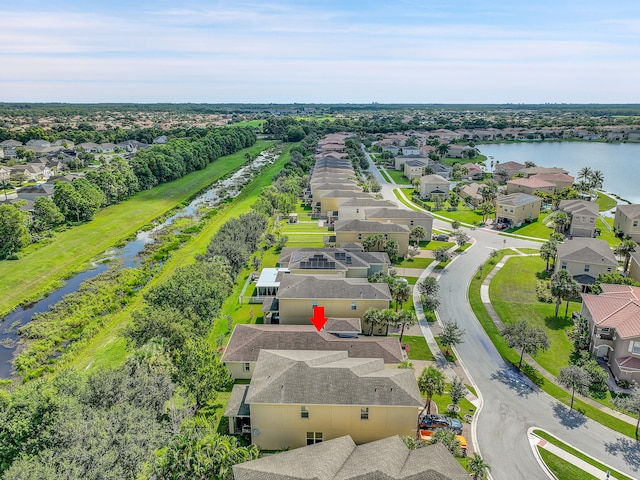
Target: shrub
543, 291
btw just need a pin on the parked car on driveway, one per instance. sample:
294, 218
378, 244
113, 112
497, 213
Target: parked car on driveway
440, 237
433, 422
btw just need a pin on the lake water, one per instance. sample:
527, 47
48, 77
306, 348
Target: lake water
619, 162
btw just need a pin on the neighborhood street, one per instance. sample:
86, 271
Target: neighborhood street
511, 403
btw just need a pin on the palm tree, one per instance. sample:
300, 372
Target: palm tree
388, 317
548, 251
625, 249
403, 319
400, 292
442, 149
485, 208
373, 317
563, 287
478, 468
560, 221
597, 179
584, 173
418, 232
431, 382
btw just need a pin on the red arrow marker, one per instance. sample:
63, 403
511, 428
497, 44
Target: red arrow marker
318, 318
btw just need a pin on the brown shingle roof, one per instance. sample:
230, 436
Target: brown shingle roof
325, 287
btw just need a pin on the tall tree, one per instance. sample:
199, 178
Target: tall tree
405, 318
14, 230
400, 292
548, 251
631, 404
575, 378
526, 338
5, 185
452, 334
373, 317
624, 250
46, 215
418, 232
457, 390
584, 173
429, 286
563, 287
478, 467
431, 382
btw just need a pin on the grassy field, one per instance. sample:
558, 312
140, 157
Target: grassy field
591, 461
511, 356
450, 160
535, 229
605, 202
398, 177
513, 295
42, 269
418, 348
418, 262
385, 174
108, 348
562, 469
434, 245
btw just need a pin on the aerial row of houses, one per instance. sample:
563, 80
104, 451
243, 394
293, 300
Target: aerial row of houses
422, 137
334, 387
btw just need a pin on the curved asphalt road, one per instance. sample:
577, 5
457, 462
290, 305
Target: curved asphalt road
512, 404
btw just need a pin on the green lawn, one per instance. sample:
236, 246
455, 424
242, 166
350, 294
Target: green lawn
418, 348
108, 348
450, 160
40, 270
386, 175
591, 461
605, 202
398, 177
410, 280
529, 250
443, 401
513, 295
607, 233
303, 226
434, 245
418, 262
511, 356
450, 356
535, 229
562, 469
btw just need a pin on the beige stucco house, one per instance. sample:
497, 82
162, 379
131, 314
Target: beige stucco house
516, 208
340, 297
414, 169
585, 259
356, 231
614, 323
303, 397
329, 201
357, 208
627, 220
246, 342
583, 214
401, 216
434, 184
340, 458
401, 160
530, 185
634, 266
505, 171
471, 193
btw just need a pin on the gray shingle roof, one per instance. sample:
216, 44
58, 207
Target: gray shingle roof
324, 287
236, 406
367, 226
289, 256
434, 178
588, 250
368, 202
398, 213
247, 340
579, 207
345, 194
305, 377
416, 163
342, 459
631, 211
517, 199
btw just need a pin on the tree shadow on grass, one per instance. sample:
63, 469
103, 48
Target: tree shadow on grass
558, 323
568, 418
628, 449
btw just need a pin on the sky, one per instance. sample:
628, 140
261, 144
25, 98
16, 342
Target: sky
282, 51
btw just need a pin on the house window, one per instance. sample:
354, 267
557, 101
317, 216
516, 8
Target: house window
357, 210
411, 223
353, 305
364, 413
605, 330
609, 269
247, 367
591, 220
314, 437
635, 223
635, 347
304, 411
314, 304
359, 236
587, 268
563, 265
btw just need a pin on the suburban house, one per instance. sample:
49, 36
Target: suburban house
585, 259
626, 221
246, 342
470, 193
340, 297
411, 150
356, 231
400, 160
401, 216
36, 191
475, 171
583, 214
530, 185
517, 208
10, 143
458, 151
530, 171
560, 180
414, 168
303, 397
443, 170
342, 459
634, 266
357, 208
38, 142
328, 202
614, 323
5, 173
505, 171
433, 184
338, 262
